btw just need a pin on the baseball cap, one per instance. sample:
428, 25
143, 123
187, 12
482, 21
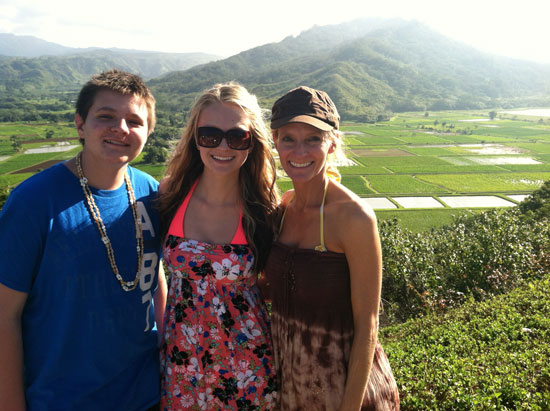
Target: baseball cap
305, 105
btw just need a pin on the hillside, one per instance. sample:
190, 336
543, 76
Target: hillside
61, 69
489, 355
30, 46
371, 68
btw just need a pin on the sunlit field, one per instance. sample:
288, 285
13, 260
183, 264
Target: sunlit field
424, 155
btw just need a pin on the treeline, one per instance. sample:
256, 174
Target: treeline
474, 258
32, 108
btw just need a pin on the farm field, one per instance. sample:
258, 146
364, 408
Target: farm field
431, 165
418, 167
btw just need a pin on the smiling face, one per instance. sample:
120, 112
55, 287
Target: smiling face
222, 159
303, 150
115, 129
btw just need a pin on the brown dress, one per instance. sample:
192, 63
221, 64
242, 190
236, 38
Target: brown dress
312, 329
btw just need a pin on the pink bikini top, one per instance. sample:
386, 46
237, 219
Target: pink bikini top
176, 226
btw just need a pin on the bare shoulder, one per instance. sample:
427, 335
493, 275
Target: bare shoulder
348, 209
163, 185
286, 197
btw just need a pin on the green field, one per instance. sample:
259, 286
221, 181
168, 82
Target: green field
410, 155
425, 219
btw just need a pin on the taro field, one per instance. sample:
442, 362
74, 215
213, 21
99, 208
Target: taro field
423, 168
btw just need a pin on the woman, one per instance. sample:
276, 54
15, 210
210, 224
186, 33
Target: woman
216, 201
324, 273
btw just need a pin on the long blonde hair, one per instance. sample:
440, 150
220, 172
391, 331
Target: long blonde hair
256, 177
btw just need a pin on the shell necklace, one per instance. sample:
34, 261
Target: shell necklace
96, 217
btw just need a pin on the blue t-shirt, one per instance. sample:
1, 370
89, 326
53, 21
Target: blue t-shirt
88, 344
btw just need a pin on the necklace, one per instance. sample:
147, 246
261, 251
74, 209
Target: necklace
96, 217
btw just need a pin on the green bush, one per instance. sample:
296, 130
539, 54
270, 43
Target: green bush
537, 205
482, 356
475, 257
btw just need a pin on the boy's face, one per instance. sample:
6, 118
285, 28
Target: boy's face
115, 129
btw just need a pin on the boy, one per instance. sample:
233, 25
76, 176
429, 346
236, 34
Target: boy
79, 266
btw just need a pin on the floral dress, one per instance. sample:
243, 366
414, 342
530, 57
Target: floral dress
217, 352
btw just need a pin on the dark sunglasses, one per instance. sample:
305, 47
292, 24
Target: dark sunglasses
237, 138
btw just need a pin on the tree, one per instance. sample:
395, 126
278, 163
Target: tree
4, 193
155, 155
537, 205
16, 145
492, 115
49, 133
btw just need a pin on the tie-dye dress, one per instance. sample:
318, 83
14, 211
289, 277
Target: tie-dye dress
217, 352
312, 329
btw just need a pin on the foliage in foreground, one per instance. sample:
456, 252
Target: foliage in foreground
476, 257
491, 355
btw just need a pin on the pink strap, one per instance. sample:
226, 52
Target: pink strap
240, 237
176, 226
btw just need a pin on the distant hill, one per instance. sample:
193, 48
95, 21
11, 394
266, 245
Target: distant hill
59, 68
30, 46
370, 68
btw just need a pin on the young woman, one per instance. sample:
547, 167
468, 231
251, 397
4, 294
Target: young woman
324, 273
216, 201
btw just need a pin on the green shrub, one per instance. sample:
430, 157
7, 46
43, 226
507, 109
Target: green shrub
482, 356
475, 257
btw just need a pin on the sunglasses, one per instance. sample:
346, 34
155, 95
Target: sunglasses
237, 138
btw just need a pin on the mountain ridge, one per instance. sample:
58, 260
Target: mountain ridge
370, 67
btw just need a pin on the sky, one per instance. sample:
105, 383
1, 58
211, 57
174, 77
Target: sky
518, 29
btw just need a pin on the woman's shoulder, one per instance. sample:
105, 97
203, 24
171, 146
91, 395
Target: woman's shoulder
286, 197
163, 185
345, 205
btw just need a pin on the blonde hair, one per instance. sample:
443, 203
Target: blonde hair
257, 176
332, 159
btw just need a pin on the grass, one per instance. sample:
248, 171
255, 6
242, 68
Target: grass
357, 184
543, 148
284, 185
479, 183
377, 140
11, 180
445, 168
402, 184
33, 131
155, 170
21, 161
419, 220
425, 138
428, 151
402, 161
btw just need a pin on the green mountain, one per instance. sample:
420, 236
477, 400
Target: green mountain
67, 72
30, 46
370, 68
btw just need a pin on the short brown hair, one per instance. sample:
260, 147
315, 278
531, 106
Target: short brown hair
122, 82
